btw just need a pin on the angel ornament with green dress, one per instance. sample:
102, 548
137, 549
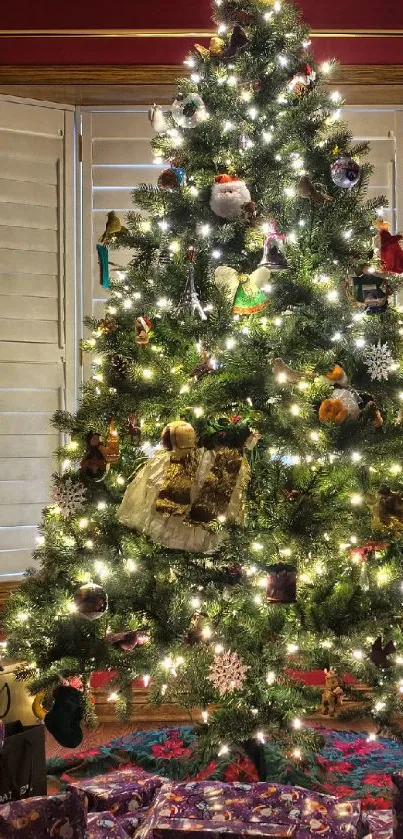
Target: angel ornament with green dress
247, 291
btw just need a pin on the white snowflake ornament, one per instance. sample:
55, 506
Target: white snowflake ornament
379, 360
227, 672
69, 495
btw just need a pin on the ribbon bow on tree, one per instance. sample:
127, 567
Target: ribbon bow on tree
245, 290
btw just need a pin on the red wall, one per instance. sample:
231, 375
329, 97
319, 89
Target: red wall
183, 14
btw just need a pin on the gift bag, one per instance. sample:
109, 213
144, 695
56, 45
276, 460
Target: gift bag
22, 762
15, 701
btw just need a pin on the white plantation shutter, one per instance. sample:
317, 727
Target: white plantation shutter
116, 158
33, 302
382, 128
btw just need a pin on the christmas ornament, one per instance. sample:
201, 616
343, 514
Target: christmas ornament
181, 491
227, 672
345, 172
128, 641
302, 82
337, 376
214, 50
378, 359
285, 374
370, 412
341, 406
273, 257
91, 601
119, 367
69, 495
389, 508
107, 325
64, 719
103, 261
228, 196
133, 428
110, 449
188, 111
142, 327
245, 290
248, 211
367, 409
93, 464
172, 178
306, 189
281, 583
380, 653
178, 436
332, 696
237, 43
113, 227
390, 250
204, 368
189, 302
38, 709
370, 291
157, 119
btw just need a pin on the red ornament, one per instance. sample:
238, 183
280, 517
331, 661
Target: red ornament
391, 252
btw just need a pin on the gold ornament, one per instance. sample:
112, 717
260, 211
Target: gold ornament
110, 449
113, 226
37, 707
215, 48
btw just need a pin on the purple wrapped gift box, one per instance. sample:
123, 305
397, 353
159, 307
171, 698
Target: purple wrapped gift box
59, 816
105, 826
178, 828
378, 822
124, 791
207, 803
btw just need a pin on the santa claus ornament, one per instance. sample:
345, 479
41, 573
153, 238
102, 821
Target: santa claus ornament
229, 197
302, 82
390, 250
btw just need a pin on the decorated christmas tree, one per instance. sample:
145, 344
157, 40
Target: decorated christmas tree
229, 507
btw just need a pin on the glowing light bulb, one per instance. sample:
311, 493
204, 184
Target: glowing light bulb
297, 753
195, 602
131, 565
83, 523
271, 678
224, 750
297, 724
113, 697
292, 649
358, 654
356, 500
314, 436
356, 457
325, 67
147, 373
230, 343
295, 410
289, 192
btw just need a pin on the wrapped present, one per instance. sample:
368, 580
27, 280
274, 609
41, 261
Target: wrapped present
208, 804
378, 823
105, 826
124, 791
218, 830
397, 804
59, 817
